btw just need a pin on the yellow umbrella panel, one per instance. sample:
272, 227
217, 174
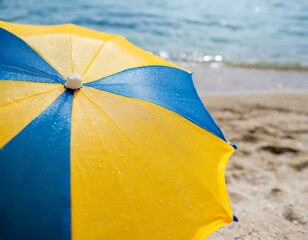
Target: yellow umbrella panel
124, 149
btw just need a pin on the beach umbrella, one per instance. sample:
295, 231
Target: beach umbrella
102, 140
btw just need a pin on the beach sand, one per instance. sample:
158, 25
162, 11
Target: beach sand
266, 116
267, 177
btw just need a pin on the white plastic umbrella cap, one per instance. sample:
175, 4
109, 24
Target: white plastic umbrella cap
73, 81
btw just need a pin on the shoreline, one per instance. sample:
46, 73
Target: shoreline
210, 60
295, 68
254, 93
222, 79
256, 66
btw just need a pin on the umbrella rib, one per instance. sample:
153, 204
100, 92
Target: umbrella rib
107, 117
163, 143
28, 97
71, 48
44, 74
151, 132
156, 136
112, 162
96, 54
140, 122
213, 195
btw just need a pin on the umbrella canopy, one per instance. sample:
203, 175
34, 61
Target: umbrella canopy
102, 140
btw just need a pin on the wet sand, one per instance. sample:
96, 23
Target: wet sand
219, 79
267, 177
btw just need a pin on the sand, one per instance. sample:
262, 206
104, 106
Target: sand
267, 177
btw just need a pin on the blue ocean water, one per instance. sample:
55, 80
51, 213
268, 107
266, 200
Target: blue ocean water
255, 32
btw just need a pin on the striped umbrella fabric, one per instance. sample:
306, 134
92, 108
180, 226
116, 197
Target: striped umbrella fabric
100, 139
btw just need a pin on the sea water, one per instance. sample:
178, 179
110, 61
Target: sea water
250, 32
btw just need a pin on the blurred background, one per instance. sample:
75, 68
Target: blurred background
254, 33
